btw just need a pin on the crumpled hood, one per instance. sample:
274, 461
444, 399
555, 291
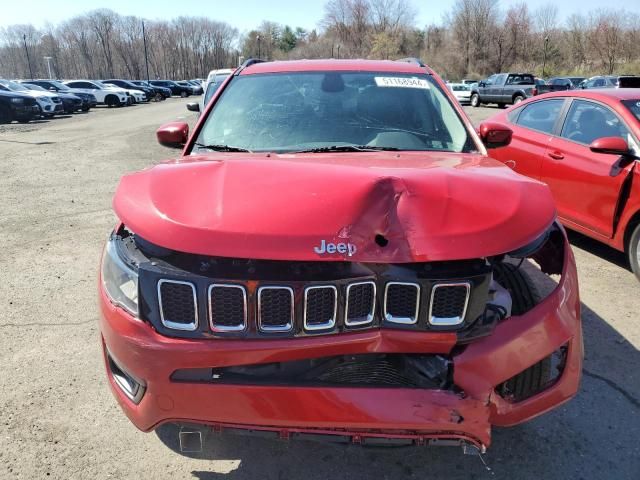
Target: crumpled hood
366, 207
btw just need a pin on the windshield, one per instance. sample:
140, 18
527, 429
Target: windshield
59, 86
633, 106
35, 87
16, 87
288, 112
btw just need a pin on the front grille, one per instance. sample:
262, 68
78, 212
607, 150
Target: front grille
449, 303
401, 302
178, 305
361, 303
320, 306
227, 307
275, 309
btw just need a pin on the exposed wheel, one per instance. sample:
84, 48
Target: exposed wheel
158, 97
475, 100
183, 94
501, 105
85, 109
633, 251
524, 294
524, 297
517, 99
112, 101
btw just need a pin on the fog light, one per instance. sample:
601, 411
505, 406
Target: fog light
132, 387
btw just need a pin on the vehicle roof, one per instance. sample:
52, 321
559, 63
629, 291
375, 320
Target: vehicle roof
335, 65
602, 94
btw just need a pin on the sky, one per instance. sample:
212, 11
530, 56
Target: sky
242, 14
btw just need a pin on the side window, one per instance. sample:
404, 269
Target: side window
588, 121
599, 82
540, 116
491, 80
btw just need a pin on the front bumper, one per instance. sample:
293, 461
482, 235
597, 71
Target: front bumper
419, 414
25, 113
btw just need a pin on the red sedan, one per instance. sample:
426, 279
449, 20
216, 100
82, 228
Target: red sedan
585, 145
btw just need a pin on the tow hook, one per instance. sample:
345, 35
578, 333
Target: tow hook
191, 439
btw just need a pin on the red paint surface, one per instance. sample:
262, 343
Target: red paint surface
430, 207
515, 344
586, 193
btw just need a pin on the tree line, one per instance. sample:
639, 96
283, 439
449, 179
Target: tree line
474, 38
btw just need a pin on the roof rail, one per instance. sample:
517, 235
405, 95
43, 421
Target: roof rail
417, 61
247, 63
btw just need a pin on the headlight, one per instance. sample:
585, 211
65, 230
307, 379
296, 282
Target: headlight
120, 280
17, 101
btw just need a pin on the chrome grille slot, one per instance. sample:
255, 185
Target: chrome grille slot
320, 307
361, 303
448, 305
401, 302
227, 307
275, 309
178, 304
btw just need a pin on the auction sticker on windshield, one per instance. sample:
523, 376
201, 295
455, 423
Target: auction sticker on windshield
402, 82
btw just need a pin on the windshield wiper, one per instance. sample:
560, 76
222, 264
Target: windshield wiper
222, 148
347, 148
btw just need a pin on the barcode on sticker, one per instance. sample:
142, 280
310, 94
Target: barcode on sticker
402, 82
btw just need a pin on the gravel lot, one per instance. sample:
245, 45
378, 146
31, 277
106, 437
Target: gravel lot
59, 420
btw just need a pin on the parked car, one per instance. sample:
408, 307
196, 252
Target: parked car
179, 90
88, 99
104, 96
70, 103
461, 91
611, 81
134, 95
468, 81
196, 88
148, 91
503, 89
161, 93
211, 87
558, 84
49, 103
15, 106
398, 253
585, 145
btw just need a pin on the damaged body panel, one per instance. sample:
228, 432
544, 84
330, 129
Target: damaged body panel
428, 209
369, 284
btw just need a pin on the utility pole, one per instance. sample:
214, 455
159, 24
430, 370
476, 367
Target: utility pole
48, 59
544, 55
258, 38
146, 56
24, 38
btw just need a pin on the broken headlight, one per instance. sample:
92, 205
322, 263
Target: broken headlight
119, 278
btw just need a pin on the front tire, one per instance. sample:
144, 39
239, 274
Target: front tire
183, 94
112, 101
475, 100
524, 296
633, 251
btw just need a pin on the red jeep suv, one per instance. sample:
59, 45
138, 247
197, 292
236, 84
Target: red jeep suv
335, 256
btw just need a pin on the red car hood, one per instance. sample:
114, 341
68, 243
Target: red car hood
366, 207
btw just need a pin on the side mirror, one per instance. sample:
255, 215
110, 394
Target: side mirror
193, 107
482, 84
611, 145
173, 135
495, 135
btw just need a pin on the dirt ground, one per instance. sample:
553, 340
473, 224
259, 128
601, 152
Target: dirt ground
59, 420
